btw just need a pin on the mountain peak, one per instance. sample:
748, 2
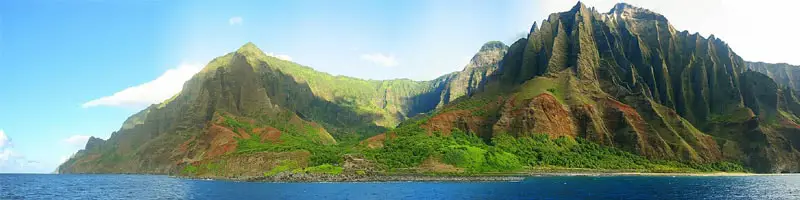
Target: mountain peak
627, 10
492, 45
621, 6
249, 49
93, 142
578, 6
534, 28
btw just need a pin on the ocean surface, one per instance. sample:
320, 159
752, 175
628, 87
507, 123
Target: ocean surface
31, 186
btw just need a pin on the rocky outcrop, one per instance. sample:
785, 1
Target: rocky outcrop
542, 114
476, 74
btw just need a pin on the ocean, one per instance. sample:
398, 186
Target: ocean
51, 186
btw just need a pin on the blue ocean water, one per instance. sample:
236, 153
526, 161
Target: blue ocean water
30, 186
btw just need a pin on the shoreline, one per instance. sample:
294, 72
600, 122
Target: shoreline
650, 174
507, 177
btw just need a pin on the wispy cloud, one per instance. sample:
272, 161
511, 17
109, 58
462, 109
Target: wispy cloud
5, 155
233, 21
280, 56
155, 91
380, 59
4, 140
5, 147
12, 161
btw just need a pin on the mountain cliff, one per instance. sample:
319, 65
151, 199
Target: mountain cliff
629, 80
784, 74
622, 89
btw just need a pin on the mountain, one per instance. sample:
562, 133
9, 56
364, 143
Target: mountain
616, 90
628, 79
784, 74
248, 95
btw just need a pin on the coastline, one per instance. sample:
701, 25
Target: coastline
651, 174
485, 177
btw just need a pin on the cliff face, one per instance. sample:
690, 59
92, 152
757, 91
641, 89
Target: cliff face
628, 79
472, 79
784, 74
625, 79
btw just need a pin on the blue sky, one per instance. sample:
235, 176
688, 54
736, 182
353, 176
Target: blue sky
73, 69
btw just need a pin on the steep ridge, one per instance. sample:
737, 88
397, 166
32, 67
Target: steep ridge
784, 74
473, 77
630, 80
247, 95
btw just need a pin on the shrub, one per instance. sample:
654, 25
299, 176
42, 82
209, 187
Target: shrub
465, 156
285, 165
189, 170
325, 169
236, 125
498, 160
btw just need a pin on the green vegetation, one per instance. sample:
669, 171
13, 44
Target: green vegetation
293, 167
189, 170
540, 85
320, 154
284, 166
506, 153
466, 104
465, 156
540, 150
383, 98
237, 126
736, 116
324, 169
293, 137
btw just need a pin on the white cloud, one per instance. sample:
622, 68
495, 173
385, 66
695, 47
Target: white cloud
235, 21
4, 140
280, 56
155, 91
381, 59
12, 161
5, 155
78, 141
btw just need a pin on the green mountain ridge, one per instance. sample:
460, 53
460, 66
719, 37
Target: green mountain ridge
624, 86
249, 84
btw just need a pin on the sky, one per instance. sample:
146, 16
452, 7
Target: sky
74, 69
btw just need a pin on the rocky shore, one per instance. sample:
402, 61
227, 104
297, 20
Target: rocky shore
305, 177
